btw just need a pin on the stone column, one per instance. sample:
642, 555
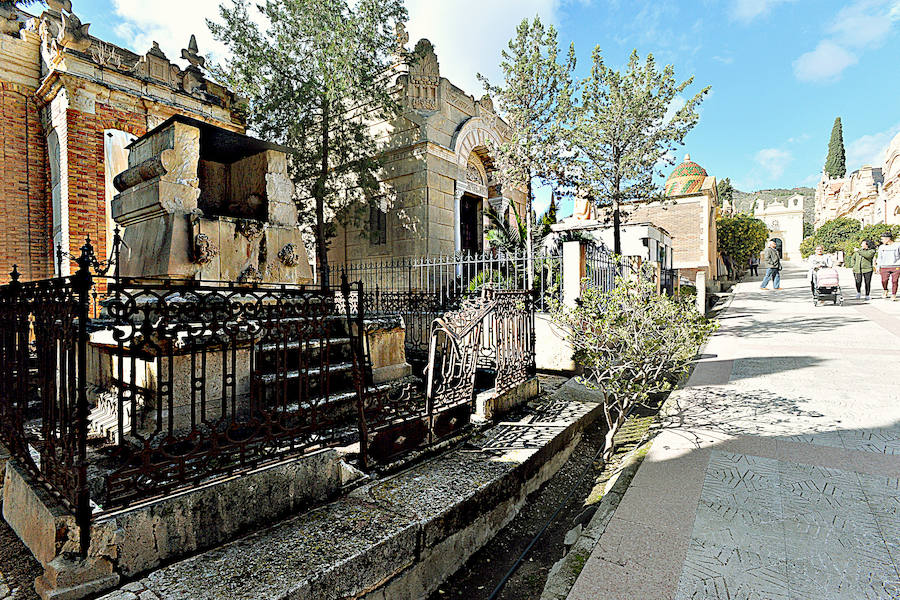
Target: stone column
457, 228
701, 292
573, 270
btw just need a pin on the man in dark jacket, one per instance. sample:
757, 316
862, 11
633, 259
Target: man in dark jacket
772, 262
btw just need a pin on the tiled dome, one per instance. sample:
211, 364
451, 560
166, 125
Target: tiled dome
687, 178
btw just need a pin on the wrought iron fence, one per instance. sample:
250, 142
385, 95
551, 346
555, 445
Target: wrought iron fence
423, 289
668, 281
176, 383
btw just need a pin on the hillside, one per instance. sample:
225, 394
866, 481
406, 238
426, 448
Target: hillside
744, 201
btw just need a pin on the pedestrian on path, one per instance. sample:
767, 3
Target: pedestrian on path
772, 262
754, 265
887, 262
861, 263
817, 261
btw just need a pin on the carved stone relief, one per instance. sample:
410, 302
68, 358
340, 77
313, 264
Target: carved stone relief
288, 256
249, 228
424, 78
204, 249
250, 275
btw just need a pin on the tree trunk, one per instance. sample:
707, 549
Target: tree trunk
617, 229
529, 249
321, 244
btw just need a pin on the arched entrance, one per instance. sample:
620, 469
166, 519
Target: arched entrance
779, 246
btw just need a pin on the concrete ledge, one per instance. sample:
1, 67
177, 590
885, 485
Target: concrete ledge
489, 404
133, 541
397, 538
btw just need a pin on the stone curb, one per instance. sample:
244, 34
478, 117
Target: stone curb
565, 571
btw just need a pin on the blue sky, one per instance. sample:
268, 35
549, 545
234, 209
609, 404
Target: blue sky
780, 70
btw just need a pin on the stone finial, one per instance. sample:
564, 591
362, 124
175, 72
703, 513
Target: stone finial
74, 34
155, 50
9, 21
425, 62
687, 158
402, 36
60, 5
192, 54
487, 103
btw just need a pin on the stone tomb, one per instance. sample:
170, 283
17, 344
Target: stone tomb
202, 202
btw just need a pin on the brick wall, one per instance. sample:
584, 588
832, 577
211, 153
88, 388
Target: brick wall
684, 222
24, 199
86, 175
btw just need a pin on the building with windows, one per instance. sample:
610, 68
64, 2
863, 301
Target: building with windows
689, 216
870, 194
439, 170
69, 105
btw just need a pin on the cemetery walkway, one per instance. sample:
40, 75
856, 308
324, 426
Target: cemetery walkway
775, 474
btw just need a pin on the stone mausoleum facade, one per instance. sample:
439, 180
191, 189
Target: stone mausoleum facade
870, 194
69, 105
440, 169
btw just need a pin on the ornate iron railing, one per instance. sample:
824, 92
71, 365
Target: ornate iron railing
175, 383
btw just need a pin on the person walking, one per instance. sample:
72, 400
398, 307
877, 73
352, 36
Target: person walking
861, 263
754, 265
772, 262
817, 261
887, 262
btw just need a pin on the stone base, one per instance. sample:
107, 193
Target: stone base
391, 372
555, 352
489, 404
132, 541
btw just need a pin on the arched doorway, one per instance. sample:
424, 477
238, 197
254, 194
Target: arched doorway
779, 246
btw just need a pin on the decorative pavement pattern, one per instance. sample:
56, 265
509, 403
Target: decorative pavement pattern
759, 519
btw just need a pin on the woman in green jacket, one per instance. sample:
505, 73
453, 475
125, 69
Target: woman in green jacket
861, 264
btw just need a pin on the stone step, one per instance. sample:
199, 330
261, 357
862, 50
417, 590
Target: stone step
396, 538
293, 375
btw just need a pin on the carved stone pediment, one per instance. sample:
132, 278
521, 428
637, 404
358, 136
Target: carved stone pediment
424, 78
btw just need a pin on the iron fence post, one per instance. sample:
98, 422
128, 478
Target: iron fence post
82, 282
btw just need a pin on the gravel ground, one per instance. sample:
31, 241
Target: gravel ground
18, 568
478, 578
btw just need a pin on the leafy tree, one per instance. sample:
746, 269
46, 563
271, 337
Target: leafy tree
632, 343
547, 219
836, 161
535, 97
741, 237
504, 235
808, 229
314, 75
622, 133
833, 235
726, 192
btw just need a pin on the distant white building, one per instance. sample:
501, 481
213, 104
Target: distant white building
644, 240
785, 223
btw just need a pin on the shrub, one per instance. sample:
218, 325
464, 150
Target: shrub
632, 343
833, 235
740, 238
845, 234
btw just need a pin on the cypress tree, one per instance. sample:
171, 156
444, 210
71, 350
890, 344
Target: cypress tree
836, 163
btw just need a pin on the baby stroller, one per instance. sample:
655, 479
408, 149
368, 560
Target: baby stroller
827, 286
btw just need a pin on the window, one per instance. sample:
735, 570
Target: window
377, 225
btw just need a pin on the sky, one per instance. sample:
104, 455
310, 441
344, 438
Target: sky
780, 70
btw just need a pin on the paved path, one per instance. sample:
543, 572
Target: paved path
776, 473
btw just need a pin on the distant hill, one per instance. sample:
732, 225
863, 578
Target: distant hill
744, 201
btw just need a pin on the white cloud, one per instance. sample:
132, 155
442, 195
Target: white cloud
825, 63
865, 23
748, 10
725, 60
465, 45
773, 161
870, 149
141, 25
859, 26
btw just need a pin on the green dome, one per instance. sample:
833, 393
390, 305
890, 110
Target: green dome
687, 178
